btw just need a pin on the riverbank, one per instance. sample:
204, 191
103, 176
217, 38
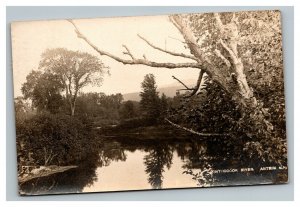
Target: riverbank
43, 171
162, 131
145, 132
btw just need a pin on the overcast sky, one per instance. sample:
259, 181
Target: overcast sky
31, 39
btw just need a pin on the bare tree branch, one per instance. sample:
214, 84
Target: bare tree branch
231, 53
190, 39
234, 18
177, 40
218, 53
128, 52
134, 61
219, 22
174, 20
167, 51
196, 88
186, 87
232, 42
191, 42
193, 131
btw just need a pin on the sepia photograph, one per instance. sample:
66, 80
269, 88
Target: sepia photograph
149, 102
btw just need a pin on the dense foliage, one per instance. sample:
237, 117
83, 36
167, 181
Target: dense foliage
62, 70
44, 90
149, 98
129, 109
100, 106
47, 139
152, 107
262, 123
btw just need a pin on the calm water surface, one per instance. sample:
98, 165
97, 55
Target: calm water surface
130, 163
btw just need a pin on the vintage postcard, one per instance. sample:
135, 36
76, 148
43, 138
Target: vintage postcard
150, 102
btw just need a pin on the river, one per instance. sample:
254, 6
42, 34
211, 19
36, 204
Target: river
131, 163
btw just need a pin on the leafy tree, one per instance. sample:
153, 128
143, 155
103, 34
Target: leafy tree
44, 90
149, 103
74, 69
111, 101
99, 105
88, 105
111, 105
129, 109
22, 109
163, 105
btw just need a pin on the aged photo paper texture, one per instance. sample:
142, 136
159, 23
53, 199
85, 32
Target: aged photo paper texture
150, 102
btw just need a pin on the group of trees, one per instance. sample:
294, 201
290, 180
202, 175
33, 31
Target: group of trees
239, 90
240, 53
48, 129
55, 88
48, 132
62, 71
99, 105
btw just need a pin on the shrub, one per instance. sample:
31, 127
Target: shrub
47, 139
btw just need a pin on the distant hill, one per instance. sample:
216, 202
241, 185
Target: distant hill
168, 90
132, 96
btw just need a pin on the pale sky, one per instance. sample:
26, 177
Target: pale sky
31, 39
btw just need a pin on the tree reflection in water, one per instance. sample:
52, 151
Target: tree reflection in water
205, 160
74, 180
158, 157
111, 151
194, 155
199, 160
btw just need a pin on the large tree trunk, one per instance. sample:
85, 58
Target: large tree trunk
238, 89
265, 141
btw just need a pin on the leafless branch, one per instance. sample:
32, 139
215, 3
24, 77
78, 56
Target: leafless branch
195, 50
196, 88
167, 51
193, 131
219, 22
174, 20
191, 41
232, 47
128, 52
186, 87
134, 61
230, 51
177, 39
218, 53
234, 18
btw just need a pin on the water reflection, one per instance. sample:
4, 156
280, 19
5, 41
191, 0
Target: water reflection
129, 163
72, 181
155, 161
196, 162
